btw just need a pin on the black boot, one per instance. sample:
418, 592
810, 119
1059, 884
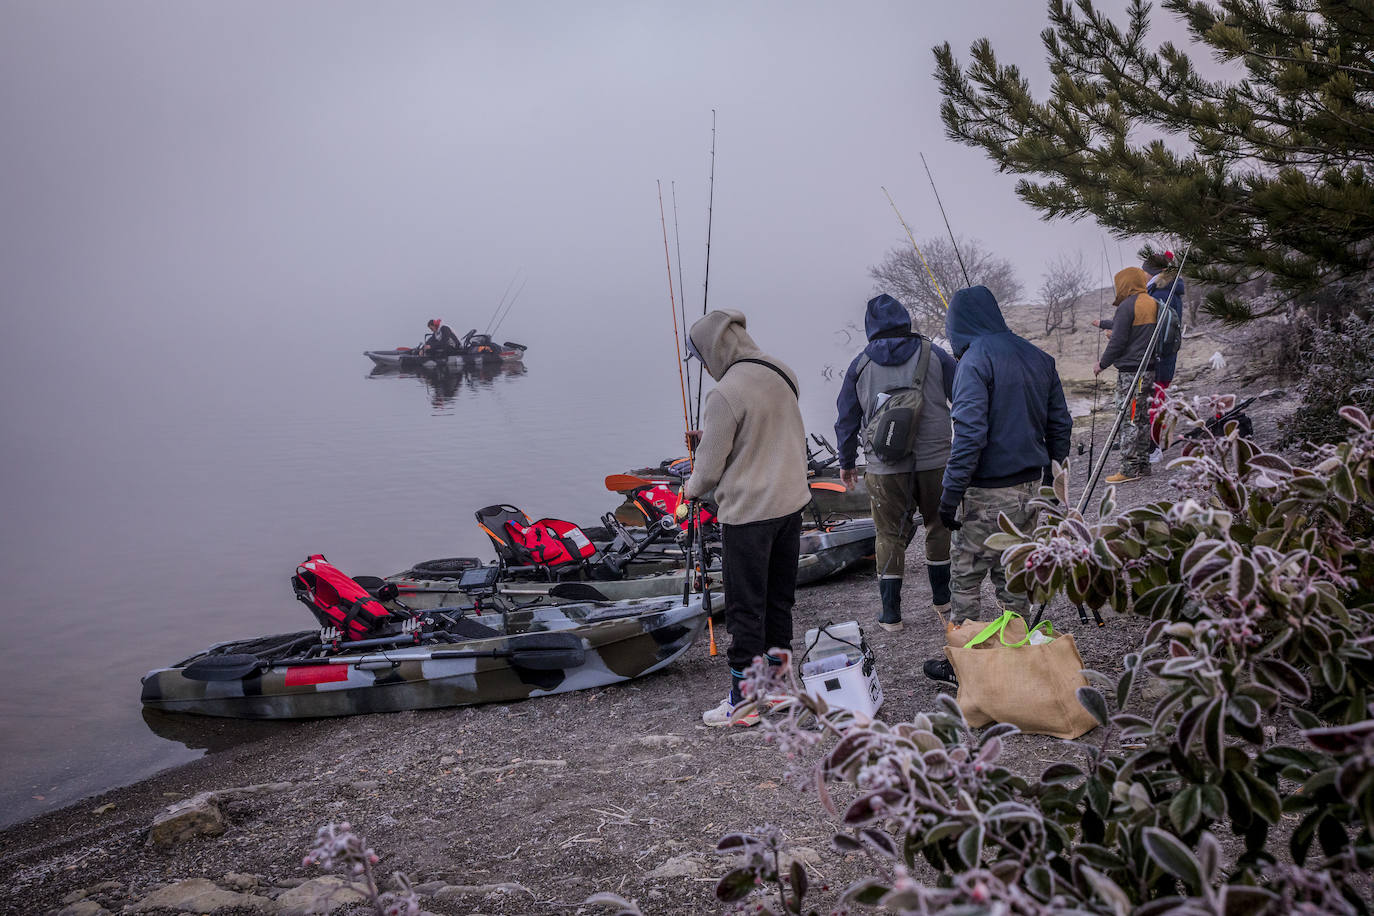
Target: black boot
939, 587
891, 591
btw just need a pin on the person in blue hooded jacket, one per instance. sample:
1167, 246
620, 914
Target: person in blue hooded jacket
1010, 422
896, 489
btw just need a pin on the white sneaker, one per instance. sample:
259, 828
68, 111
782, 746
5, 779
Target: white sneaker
724, 714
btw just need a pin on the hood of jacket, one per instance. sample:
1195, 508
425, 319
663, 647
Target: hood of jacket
973, 313
891, 341
1162, 283
1130, 281
720, 339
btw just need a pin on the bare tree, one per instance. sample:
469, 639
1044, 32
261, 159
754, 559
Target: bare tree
902, 275
1066, 279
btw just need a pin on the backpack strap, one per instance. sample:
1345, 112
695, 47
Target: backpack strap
764, 362
922, 364
865, 360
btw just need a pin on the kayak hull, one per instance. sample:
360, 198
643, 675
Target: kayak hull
622, 641
409, 360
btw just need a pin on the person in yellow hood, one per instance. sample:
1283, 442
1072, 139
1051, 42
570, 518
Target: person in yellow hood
752, 457
1132, 327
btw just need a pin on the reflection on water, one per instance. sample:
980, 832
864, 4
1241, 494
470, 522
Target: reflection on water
210, 733
444, 384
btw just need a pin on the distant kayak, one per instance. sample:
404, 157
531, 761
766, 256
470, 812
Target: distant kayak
454, 659
406, 359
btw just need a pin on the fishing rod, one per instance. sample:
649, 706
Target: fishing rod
939, 292
508, 306
1150, 349
1097, 379
677, 337
515, 276
967, 281
681, 296
706, 283
692, 510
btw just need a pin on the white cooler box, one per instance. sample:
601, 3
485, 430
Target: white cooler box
838, 667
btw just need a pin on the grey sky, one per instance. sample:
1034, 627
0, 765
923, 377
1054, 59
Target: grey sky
347, 169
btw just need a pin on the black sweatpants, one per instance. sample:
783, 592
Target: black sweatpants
760, 563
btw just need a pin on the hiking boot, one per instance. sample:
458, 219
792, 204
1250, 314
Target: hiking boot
939, 669
1122, 478
890, 589
724, 714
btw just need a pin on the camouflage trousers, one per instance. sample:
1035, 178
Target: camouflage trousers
1135, 426
971, 559
894, 498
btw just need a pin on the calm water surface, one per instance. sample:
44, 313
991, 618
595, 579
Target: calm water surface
155, 506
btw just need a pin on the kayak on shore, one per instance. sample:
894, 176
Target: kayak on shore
453, 658
824, 551
420, 589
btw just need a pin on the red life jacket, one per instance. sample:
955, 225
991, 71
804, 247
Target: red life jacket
551, 541
336, 600
661, 500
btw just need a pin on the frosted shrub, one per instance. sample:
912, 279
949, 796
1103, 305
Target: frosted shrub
1258, 585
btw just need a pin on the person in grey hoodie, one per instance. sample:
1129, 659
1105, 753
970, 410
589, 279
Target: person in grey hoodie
752, 458
891, 360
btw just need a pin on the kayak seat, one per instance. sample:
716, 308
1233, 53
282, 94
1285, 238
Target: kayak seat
556, 548
492, 520
659, 500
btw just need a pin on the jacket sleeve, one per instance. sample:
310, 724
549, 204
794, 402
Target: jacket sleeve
718, 427
970, 417
1059, 422
948, 366
850, 415
1122, 323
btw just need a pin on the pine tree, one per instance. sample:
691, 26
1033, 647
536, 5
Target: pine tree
1268, 175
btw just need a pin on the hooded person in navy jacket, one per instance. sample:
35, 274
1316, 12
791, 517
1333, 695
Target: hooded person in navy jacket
896, 489
1010, 422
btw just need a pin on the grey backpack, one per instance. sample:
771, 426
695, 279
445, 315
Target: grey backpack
891, 431
1170, 329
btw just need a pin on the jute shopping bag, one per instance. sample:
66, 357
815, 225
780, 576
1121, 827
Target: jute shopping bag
1032, 685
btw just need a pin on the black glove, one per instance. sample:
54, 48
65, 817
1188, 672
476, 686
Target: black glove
947, 517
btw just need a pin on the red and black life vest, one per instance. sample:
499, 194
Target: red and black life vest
550, 541
661, 500
336, 600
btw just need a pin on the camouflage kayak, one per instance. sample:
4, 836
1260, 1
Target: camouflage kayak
420, 592
491, 658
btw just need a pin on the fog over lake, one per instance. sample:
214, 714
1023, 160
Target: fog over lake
208, 211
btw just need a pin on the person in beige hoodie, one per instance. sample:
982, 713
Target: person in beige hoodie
752, 460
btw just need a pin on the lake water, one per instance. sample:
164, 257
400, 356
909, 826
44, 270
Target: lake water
157, 500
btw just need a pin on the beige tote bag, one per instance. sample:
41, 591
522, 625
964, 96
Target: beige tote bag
1003, 678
